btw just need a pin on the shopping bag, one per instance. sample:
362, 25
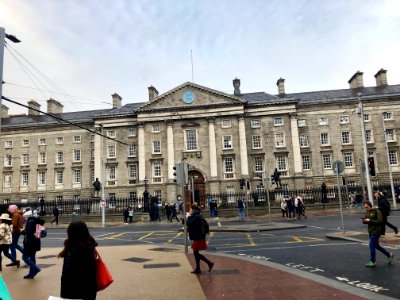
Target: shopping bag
4, 294
103, 275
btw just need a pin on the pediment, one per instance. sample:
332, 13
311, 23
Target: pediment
191, 96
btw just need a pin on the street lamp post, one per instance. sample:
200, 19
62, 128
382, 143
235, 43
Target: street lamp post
388, 161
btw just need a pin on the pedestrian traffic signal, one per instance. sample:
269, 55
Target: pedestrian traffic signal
241, 183
371, 166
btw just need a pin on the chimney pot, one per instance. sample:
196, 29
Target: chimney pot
281, 86
236, 85
381, 77
356, 81
153, 93
117, 99
36, 106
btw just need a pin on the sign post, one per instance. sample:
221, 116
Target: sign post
338, 168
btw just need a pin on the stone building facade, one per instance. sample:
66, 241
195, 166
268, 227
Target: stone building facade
223, 137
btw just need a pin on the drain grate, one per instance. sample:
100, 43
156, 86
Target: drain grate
158, 266
165, 249
137, 259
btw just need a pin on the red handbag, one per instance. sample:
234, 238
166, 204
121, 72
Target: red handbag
103, 275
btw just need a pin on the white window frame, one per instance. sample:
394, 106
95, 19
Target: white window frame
7, 180
255, 123
367, 118
59, 157
390, 135
8, 144
226, 123
25, 143
41, 141
111, 133
156, 171
77, 157
132, 131
111, 173
301, 122
227, 143
8, 160
77, 175
344, 119
323, 120
41, 178
155, 128
278, 121
387, 115
132, 171
346, 137
327, 161
24, 179
156, 147
348, 159
190, 144
132, 150
303, 139
281, 164
25, 159
258, 164
60, 140
42, 158
77, 139
59, 177
393, 159
306, 162
256, 142
369, 137
229, 167
324, 141
111, 151
280, 140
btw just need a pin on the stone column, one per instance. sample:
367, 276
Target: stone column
170, 149
141, 152
213, 147
295, 143
98, 154
243, 147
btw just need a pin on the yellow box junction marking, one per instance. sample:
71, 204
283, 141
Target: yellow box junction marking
303, 239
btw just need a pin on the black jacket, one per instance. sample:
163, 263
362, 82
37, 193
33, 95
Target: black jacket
31, 243
78, 279
194, 226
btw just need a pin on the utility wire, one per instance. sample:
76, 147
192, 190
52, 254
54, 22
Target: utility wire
63, 120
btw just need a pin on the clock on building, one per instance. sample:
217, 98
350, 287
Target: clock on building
188, 97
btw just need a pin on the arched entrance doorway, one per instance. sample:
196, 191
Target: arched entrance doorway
197, 187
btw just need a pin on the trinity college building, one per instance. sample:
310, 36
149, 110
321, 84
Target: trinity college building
223, 137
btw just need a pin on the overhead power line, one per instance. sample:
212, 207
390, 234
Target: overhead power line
63, 120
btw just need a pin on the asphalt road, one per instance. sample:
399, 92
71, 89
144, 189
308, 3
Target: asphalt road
305, 249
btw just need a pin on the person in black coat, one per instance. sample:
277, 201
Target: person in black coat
78, 279
194, 224
384, 207
31, 244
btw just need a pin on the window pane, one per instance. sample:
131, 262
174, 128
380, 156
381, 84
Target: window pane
191, 140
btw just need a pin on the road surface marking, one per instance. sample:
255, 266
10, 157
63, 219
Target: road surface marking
303, 239
177, 235
364, 285
251, 241
145, 236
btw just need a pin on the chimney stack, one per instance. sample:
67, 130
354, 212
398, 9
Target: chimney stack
236, 85
35, 105
54, 107
356, 81
281, 86
4, 112
381, 78
153, 93
117, 99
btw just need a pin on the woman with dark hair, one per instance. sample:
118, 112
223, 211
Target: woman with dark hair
197, 235
78, 279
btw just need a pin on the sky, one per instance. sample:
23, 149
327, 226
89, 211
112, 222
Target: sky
81, 52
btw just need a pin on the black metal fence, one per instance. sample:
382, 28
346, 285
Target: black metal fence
223, 200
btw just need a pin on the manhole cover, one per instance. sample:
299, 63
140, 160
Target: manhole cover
137, 259
157, 266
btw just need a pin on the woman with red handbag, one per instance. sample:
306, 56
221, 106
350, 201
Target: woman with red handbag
78, 279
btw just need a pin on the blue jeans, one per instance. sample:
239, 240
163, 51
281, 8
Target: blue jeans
14, 245
30, 260
374, 244
241, 213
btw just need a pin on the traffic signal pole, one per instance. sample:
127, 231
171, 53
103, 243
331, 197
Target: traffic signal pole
365, 151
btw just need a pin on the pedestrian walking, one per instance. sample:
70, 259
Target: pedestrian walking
198, 236
167, 209
130, 214
300, 207
358, 198
291, 208
373, 217
31, 244
126, 215
78, 279
56, 213
18, 225
240, 206
284, 208
384, 207
173, 212
6, 239
324, 194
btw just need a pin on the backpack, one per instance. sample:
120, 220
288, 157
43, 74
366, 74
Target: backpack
205, 228
40, 232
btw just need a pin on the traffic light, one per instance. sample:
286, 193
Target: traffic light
344, 180
248, 185
175, 173
181, 173
272, 179
371, 166
241, 183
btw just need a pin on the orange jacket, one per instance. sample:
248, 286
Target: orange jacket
17, 221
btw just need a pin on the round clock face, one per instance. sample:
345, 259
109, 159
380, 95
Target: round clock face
188, 97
